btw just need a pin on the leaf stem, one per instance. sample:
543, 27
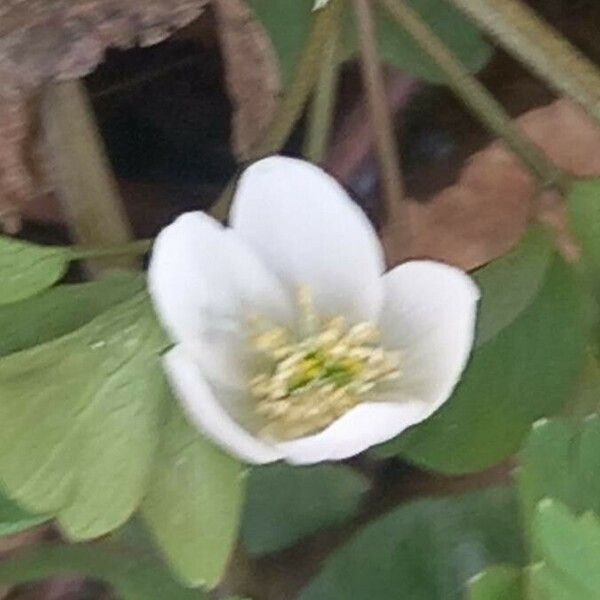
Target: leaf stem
381, 120
304, 78
320, 116
81, 171
476, 97
134, 248
519, 30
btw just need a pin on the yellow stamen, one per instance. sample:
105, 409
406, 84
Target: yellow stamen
319, 375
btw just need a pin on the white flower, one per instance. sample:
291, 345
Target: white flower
290, 341
320, 4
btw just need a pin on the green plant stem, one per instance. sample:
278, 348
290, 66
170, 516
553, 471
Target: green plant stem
476, 97
320, 116
134, 248
524, 34
306, 73
82, 174
304, 78
379, 113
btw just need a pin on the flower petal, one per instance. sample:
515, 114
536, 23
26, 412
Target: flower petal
429, 315
204, 283
305, 227
208, 414
364, 426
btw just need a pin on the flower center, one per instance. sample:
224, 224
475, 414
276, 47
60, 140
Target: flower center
317, 375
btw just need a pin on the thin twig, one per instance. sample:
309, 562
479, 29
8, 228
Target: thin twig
518, 29
294, 99
134, 248
353, 140
483, 105
320, 116
380, 117
304, 78
82, 174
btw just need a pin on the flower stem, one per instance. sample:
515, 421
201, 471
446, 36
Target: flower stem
134, 248
325, 23
322, 106
81, 171
381, 120
476, 97
536, 43
304, 78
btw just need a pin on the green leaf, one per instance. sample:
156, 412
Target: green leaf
399, 50
561, 463
425, 550
510, 284
497, 583
134, 576
194, 502
545, 584
26, 269
287, 23
285, 504
61, 310
79, 418
584, 216
569, 548
13, 519
524, 373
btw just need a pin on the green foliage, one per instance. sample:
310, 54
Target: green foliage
28, 269
288, 24
584, 217
83, 435
558, 478
510, 283
61, 310
78, 420
285, 504
425, 550
82, 405
522, 374
563, 463
568, 546
193, 503
497, 583
133, 574
13, 519
398, 49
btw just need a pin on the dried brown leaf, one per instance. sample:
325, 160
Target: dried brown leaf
251, 73
486, 212
46, 40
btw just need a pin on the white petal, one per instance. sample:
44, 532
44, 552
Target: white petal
304, 226
205, 283
429, 315
364, 426
203, 408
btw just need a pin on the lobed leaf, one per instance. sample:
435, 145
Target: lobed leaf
79, 417
285, 504
497, 583
425, 550
568, 546
194, 501
26, 269
61, 310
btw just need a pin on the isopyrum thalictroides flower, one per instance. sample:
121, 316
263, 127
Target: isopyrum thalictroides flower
291, 341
